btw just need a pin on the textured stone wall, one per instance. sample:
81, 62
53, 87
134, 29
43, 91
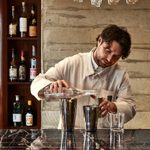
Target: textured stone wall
70, 27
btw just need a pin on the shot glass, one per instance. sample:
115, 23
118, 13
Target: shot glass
90, 117
116, 122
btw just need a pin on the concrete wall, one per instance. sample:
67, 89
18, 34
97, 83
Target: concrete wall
70, 27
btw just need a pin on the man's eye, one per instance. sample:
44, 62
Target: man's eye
108, 50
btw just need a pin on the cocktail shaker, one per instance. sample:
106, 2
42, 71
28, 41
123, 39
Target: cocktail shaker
68, 141
68, 113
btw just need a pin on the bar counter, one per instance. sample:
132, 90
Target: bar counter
53, 139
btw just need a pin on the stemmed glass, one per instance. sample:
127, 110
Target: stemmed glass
80, 1
131, 1
96, 3
113, 2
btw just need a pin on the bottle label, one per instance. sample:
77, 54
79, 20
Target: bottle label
33, 63
17, 117
32, 31
29, 119
22, 73
12, 29
13, 73
33, 72
23, 24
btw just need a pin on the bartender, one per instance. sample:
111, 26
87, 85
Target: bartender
97, 69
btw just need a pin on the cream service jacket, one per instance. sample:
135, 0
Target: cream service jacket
78, 72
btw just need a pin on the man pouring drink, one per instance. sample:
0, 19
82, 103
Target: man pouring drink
95, 70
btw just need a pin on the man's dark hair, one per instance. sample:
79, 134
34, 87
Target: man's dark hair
118, 34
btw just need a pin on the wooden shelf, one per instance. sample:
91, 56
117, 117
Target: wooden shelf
24, 127
8, 89
22, 39
19, 83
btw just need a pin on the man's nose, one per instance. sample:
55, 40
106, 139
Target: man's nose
109, 58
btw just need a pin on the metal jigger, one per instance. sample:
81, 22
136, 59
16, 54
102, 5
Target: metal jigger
90, 117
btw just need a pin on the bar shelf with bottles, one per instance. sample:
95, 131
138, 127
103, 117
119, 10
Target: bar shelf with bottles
22, 39
23, 33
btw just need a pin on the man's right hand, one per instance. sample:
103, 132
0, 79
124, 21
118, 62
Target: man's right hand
57, 86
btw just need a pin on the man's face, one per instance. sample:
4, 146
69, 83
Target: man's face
107, 54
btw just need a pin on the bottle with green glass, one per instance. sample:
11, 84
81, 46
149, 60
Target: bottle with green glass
17, 112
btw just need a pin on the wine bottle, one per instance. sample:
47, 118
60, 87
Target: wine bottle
33, 23
23, 21
33, 68
22, 67
29, 114
13, 68
17, 112
13, 23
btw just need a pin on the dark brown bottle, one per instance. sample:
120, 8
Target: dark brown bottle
29, 114
13, 23
22, 68
17, 112
13, 68
32, 23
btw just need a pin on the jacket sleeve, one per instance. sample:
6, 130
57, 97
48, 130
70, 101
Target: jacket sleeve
38, 85
125, 102
42, 80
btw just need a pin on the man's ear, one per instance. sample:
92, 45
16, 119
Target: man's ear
100, 41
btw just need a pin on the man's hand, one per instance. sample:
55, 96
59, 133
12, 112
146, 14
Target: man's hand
58, 85
106, 106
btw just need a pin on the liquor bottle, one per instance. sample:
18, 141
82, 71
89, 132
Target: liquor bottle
32, 23
33, 68
17, 112
13, 68
22, 68
23, 21
29, 114
13, 23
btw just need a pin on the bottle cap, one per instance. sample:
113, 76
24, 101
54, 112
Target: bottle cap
22, 55
109, 98
32, 9
17, 97
23, 3
13, 53
33, 50
29, 102
13, 7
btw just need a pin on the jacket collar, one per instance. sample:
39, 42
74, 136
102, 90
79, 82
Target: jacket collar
92, 68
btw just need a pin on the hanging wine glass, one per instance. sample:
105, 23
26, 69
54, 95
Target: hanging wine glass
131, 1
113, 2
96, 3
80, 1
